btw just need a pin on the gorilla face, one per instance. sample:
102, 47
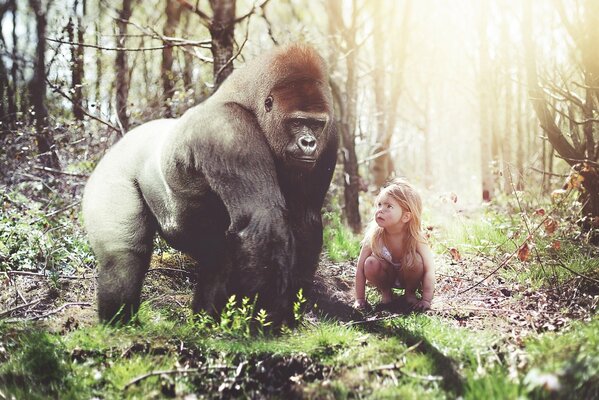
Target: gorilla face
305, 139
299, 108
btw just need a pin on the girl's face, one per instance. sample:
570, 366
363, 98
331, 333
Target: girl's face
389, 213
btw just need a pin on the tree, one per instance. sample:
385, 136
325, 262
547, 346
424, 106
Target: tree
173, 14
346, 103
578, 105
37, 88
122, 68
222, 31
77, 67
387, 86
486, 131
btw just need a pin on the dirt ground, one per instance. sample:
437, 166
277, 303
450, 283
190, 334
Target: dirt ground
65, 303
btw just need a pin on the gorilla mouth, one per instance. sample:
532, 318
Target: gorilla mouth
306, 159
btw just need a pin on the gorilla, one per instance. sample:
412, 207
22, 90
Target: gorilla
237, 182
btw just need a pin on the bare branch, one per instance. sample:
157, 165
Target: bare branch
66, 96
204, 18
252, 11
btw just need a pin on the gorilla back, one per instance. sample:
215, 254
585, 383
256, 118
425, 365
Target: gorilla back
238, 183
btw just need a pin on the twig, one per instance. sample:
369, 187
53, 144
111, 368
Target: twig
366, 321
56, 171
429, 378
51, 312
66, 96
252, 11
396, 365
48, 275
564, 266
171, 372
53, 213
10, 310
170, 270
548, 173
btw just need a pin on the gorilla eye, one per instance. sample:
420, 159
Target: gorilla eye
268, 103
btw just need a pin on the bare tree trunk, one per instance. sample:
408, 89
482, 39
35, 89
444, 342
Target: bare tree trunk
520, 131
347, 111
222, 30
77, 59
37, 90
382, 167
173, 14
122, 69
188, 62
486, 131
508, 179
98, 83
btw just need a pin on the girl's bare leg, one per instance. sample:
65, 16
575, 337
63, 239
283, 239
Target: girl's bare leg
411, 279
381, 275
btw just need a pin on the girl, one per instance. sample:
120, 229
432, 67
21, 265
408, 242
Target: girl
394, 252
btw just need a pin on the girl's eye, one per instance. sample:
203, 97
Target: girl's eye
389, 206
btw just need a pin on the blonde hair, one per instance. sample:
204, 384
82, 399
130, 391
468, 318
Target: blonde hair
409, 200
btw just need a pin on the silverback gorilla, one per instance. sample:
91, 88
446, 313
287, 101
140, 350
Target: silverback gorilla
237, 182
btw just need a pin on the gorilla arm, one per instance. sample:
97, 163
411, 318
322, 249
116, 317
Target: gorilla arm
237, 164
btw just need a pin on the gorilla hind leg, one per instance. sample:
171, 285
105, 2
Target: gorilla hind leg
120, 278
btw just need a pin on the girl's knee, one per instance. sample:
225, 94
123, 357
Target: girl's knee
372, 268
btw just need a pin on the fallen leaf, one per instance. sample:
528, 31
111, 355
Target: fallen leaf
539, 211
556, 245
455, 254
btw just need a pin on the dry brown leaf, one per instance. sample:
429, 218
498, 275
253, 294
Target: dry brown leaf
556, 245
455, 254
550, 226
524, 252
539, 211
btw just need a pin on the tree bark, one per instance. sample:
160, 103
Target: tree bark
173, 14
222, 29
486, 132
347, 111
122, 70
37, 90
382, 167
77, 70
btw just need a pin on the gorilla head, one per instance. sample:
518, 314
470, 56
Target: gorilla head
293, 103
237, 183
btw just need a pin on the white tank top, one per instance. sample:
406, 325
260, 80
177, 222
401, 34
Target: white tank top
389, 258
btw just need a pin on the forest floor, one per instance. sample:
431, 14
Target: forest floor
504, 324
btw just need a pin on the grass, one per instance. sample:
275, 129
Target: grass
411, 356
340, 243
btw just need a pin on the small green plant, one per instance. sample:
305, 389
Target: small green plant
298, 306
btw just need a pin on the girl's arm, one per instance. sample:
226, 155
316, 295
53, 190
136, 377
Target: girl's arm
360, 281
428, 279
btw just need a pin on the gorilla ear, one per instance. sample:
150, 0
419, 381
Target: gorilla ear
268, 103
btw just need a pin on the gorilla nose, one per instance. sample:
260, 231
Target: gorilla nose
307, 143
